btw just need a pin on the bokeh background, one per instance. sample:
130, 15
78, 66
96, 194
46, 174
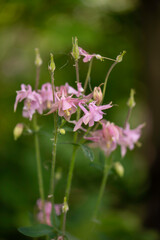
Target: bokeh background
131, 205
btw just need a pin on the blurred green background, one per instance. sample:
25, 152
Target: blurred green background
106, 27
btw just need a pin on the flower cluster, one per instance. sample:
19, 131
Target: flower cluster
66, 101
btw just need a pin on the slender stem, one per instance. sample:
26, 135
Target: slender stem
77, 71
52, 177
39, 168
88, 75
106, 79
128, 117
107, 167
37, 77
105, 85
52, 82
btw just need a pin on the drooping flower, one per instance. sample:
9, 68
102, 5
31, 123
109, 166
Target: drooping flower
93, 115
128, 137
46, 94
106, 138
32, 101
87, 56
66, 106
48, 211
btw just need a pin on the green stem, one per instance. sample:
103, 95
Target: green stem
88, 75
37, 77
53, 158
52, 177
104, 88
77, 71
38, 159
106, 79
107, 167
128, 117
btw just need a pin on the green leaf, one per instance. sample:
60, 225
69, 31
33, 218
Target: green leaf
38, 230
88, 152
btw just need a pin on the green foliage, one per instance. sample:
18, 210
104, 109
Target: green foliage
88, 152
38, 230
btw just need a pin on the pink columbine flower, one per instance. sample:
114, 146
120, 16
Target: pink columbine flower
87, 56
66, 106
32, 101
106, 138
46, 94
128, 137
48, 211
93, 115
71, 90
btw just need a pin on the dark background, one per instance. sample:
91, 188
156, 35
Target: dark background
131, 206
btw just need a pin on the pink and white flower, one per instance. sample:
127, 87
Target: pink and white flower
46, 94
66, 106
93, 115
87, 56
106, 138
32, 101
71, 90
128, 137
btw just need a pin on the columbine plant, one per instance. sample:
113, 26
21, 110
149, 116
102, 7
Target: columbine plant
85, 114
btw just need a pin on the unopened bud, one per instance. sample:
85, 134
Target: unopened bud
38, 60
119, 58
131, 102
18, 130
52, 65
119, 169
97, 95
75, 50
62, 131
65, 207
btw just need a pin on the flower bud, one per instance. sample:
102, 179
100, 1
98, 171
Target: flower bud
65, 207
97, 95
62, 131
119, 169
38, 60
131, 102
18, 130
52, 65
119, 58
75, 50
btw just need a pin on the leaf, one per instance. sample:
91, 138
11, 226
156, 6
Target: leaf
38, 230
88, 152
